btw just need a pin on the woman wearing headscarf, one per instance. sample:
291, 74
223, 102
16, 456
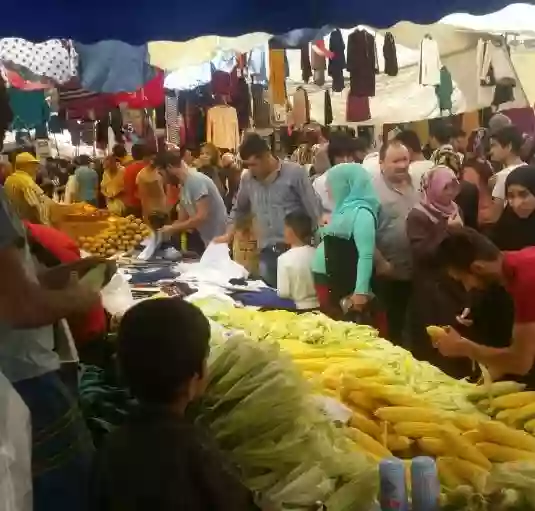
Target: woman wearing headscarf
436, 299
515, 229
468, 195
343, 262
478, 171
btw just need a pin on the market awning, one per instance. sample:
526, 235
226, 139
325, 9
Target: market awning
164, 20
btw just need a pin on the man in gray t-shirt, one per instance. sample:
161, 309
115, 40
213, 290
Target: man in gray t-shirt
201, 207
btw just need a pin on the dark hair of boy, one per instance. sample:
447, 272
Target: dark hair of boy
140, 152
340, 146
410, 140
442, 132
509, 136
162, 345
462, 247
119, 151
301, 224
253, 145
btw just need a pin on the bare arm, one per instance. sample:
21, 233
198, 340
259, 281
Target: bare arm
202, 210
26, 304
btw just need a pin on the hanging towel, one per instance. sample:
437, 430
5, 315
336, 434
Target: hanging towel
149, 95
241, 101
430, 63
361, 63
337, 62
306, 68
328, 109
277, 77
172, 120
358, 108
52, 59
444, 91
390, 55
301, 108
114, 66
30, 109
257, 65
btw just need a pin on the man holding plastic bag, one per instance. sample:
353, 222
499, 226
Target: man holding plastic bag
30, 305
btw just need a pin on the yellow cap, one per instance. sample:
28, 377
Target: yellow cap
25, 159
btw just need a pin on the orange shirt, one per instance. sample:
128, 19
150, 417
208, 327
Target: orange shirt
150, 185
131, 196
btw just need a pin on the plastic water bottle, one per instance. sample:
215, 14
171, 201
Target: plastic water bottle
425, 494
392, 486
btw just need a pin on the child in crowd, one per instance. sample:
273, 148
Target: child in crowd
294, 276
160, 460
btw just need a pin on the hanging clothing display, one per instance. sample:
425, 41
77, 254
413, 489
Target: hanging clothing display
361, 63
337, 63
6, 114
358, 108
444, 91
150, 95
52, 59
30, 109
306, 67
261, 107
240, 99
172, 121
301, 108
430, 64
257, 66
16, 80
277, 77
470, 122
327, 109
222, 128
390, 55
80, 104
221, 83
189, 77
114, 66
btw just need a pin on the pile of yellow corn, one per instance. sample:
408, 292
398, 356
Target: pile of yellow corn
400, 406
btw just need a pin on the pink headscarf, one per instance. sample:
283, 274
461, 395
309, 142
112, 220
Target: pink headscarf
433, 185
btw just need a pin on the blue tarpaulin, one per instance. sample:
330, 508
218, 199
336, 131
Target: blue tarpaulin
179, 20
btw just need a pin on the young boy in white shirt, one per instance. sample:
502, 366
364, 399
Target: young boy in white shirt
294, 277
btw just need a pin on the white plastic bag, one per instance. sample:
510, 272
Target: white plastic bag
216, 257
15, 451
117, 296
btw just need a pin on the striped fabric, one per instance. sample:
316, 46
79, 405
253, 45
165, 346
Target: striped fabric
172, 120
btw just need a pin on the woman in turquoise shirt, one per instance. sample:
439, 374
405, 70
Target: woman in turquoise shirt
343, 262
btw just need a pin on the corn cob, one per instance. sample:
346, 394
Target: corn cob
504, 454
418, 429
409, 414
361, 400
504, 415
464, 421
368, 443
368, 426
464, 449
521, 415
448, 477
498, 388
498, 433
398, 396
530, 426
331, 382
468, 472
473, 436
433, 446
516, 400
397, 443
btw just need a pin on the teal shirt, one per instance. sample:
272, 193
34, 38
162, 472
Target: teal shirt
86, 184
363, 233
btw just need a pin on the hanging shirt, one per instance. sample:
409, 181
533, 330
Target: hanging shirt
30, 109
86, 184
430, 63
222, 128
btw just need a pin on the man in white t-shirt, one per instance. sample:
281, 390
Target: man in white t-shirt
419, 166
505, 146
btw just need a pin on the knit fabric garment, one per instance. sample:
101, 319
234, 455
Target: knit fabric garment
277, 76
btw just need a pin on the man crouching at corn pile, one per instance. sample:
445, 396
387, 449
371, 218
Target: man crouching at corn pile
476, 262
159, 460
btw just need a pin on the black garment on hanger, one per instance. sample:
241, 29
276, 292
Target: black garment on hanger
328, 109
338, 63
361, 63
241, 101
306, 68
261, 107
390, 55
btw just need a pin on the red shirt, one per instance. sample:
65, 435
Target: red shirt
131, 196
519, 269
64, 249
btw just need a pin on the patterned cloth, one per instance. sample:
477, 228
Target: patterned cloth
52, 59
172, 120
